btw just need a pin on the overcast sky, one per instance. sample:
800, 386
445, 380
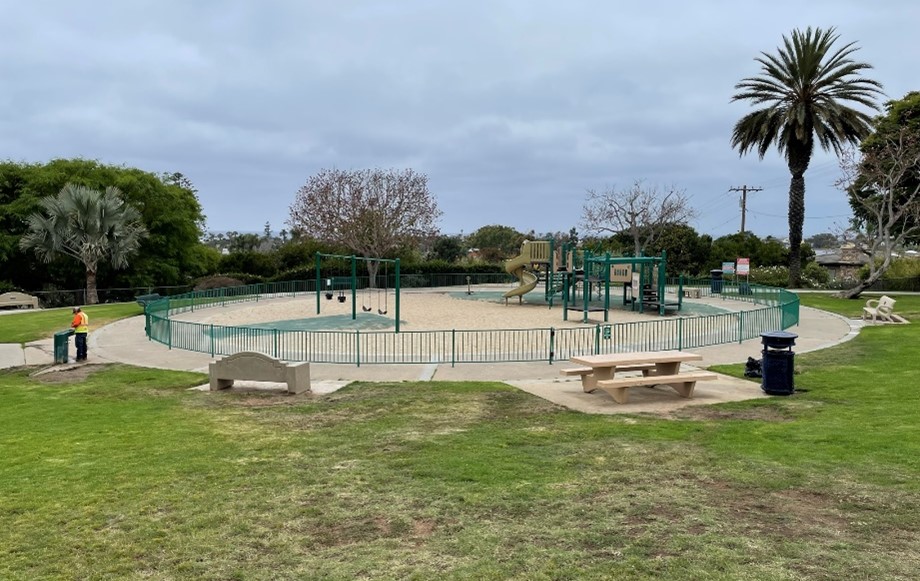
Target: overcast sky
512, 108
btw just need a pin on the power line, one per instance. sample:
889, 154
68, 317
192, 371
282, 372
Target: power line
744, 192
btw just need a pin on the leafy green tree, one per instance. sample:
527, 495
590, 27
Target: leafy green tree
447, 248
824, 240
87, 225
496, 242
169, 207
900, 124
805, 90
687, 251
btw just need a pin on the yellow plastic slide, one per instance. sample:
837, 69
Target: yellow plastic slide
518, 267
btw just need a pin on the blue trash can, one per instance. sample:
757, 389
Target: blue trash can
715, 283
778, 365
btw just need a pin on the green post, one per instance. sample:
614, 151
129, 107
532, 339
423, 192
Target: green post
661, 282
607, 288
396, 285
597, 339
354, 287
318, 285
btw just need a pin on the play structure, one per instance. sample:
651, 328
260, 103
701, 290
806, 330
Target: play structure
341, 287
575, 276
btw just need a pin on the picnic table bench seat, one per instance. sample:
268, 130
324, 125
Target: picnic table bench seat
682, 383
645, 368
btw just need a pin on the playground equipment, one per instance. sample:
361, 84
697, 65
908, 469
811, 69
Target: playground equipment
536, 255
642, 279
341, 284
567, 269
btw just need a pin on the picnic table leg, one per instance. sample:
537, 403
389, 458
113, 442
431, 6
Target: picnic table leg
683, 388
589, 380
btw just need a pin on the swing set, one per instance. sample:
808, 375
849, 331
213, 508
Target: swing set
340, 284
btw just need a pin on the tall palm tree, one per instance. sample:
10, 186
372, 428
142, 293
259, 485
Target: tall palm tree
805, 89
88, 225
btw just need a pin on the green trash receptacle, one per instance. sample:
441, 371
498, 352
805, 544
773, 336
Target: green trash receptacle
62, 346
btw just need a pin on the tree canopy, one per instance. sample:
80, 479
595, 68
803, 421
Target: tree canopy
496, 242
899, 125
373, 212
805, 91
87, 225
169, 208
641, 212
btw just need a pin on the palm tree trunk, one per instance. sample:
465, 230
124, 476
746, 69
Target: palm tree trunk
799, 155
796, 224
92, 297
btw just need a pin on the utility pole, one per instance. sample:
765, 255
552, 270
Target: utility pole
744, 192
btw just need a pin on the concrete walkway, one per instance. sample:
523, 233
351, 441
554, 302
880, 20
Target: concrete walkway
125, 342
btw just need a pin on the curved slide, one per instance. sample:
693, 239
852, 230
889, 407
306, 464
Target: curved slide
528, 280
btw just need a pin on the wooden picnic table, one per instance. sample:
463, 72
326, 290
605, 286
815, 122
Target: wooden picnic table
658, 367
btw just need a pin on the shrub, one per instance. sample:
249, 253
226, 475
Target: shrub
777, 276
815, 276
226, 280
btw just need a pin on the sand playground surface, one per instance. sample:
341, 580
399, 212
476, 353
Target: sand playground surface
432, 309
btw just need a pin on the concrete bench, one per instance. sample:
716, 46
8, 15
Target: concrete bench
251, 366
693, 293
14, 299
144, 300
682, 383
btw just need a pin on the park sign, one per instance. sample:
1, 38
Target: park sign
728, 268
744, 266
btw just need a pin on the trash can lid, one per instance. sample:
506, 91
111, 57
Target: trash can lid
778, 338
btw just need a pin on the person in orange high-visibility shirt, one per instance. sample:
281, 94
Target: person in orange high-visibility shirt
80, 326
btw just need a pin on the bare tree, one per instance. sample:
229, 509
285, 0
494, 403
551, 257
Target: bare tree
371, 212
885, 184
640, 211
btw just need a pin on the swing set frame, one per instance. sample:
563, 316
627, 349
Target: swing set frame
353, 278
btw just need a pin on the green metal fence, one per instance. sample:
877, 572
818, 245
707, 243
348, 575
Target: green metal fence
777, 309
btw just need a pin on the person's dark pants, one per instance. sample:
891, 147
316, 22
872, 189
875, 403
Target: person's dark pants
80, 340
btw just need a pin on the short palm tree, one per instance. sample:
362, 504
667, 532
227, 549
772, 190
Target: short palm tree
88, 225
805, 89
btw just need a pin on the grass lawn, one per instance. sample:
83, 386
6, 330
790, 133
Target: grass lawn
119, 472
32, 326
908, 306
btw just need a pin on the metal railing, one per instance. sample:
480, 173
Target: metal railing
778, 309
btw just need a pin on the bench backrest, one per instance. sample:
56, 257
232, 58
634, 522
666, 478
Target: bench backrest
252, 366
886, 303
18, 299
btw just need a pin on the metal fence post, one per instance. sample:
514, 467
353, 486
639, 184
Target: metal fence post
552, 344
740, 326
211, 334
358, 347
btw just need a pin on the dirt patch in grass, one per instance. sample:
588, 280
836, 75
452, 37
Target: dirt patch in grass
760, 414
67, 374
